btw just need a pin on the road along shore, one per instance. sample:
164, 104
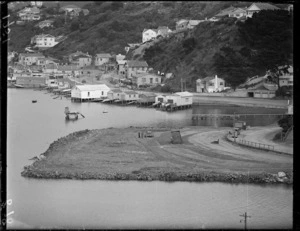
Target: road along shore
122, 154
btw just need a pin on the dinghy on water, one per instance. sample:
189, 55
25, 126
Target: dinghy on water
18, 86
34, 101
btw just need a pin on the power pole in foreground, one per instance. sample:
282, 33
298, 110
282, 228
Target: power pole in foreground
245, 221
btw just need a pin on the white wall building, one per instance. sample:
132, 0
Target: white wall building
149, 34
88, 92
210, 84
180, 99
44, 40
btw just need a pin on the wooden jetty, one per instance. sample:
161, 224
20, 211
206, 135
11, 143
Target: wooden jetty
230, 116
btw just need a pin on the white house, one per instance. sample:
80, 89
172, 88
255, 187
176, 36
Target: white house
145, 79
180, 99
29, 58
44, 40
238, 13
210, 84
182, 24
129, 96
102, 58
36, 3
70, 8
114, 94
149, 34
120, 57
163, 31
88, 92
193, 23
45, 23
287, 79
257, 7
50, 68
133, 67
121, 67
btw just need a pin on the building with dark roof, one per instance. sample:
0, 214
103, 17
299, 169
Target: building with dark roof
257, 7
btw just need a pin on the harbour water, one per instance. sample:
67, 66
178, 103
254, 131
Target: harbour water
41, 203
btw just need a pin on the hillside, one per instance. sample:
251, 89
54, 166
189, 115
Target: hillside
232, 50
110, 26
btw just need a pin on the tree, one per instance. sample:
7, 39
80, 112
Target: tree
74, 25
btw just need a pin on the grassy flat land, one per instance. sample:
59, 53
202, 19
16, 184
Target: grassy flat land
118, 154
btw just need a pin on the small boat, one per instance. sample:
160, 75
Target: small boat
18, 86
34, 101
104, 111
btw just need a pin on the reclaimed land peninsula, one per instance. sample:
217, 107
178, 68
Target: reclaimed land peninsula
119, 154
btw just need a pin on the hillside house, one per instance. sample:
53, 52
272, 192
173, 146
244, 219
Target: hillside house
72, 70
214, 19
133, 67
193, 23
182, 24
70, 8
179, 99
225, 12
238, 13
50, 68
120, 57
11, 55
44, 40
89, 92
44, 61
102, 58
287, 79
210, 84
29, 14
121, 67
149, 34
257, 7
36, 3
129, 96
114, 94
45, 23
85, 12
80, 59
163, 31
29, 58
146, 79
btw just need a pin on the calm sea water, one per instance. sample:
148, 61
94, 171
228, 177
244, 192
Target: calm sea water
104, 204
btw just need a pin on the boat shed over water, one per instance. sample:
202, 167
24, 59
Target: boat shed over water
89, 92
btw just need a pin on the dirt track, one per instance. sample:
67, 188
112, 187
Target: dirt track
120, 154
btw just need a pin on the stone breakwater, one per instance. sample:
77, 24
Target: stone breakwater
169, 177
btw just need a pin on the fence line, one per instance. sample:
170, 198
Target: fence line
256, 145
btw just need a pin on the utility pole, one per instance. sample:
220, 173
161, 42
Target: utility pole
245, 221
181, 84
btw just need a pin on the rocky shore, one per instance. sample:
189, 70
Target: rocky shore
105, 158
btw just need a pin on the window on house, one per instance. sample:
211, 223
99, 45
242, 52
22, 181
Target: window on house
151, 80
88, 94
102, 93
144, 80
221, 83
157, 80
129, 96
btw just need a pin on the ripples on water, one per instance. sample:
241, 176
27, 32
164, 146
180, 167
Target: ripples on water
104, 204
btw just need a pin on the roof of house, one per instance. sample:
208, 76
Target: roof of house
103, 55
181, 21
30, 10
155, 30
32, 55
43, 36
70, 7
130, 92
163, 28
238, 10
134, 63
116, 91
121, 62
144, 74
283, 6
265, 6
84, 56
195, 22
85, 11
95, 87
183, 94
51, 66
120, 57
225, 11
210, 78
68, 67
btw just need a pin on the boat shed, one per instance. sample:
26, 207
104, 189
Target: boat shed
160, 99
89, 92
129, 96
180, 99
114, 94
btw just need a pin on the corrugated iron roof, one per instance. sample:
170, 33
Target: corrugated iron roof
265, 6
103, 55
96, 87
183, 94
134, 63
